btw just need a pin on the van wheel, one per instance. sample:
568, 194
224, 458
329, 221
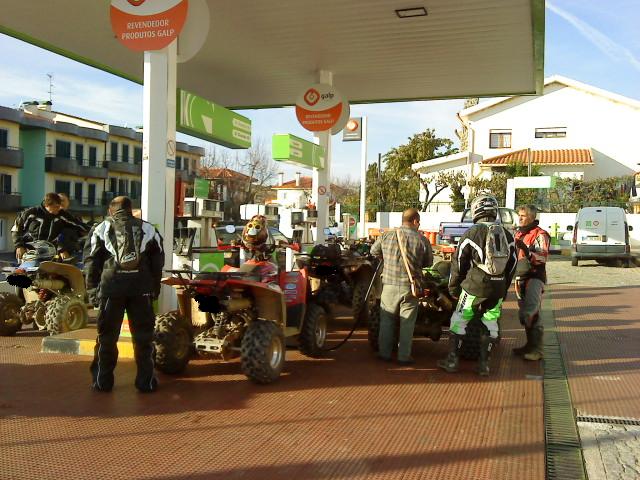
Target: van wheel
574, 261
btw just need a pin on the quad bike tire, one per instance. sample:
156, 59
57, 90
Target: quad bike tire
373, 326
10, 305
65, 314
359, 308
262, 352
313, 334
173, 340
470, 349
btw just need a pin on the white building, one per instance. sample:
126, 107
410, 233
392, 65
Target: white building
572, 130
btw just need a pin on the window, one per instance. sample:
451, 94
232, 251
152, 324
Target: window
63, 149
178, 163
78, 191
137, 154
63, 187
92, 194
125, 153
113, 185
114, 151
122, 187
79, 153
552, 132
499, 138
4, 138
5, 183
136, 189
93, 156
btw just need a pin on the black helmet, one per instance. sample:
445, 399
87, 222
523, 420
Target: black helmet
484, 207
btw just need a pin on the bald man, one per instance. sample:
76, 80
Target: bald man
398, 301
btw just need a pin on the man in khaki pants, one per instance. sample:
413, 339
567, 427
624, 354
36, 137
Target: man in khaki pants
397, 298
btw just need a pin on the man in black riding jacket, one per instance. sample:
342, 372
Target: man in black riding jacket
123, 267
48, 221
481, 271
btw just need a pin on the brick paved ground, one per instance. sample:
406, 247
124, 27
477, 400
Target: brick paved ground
345, 416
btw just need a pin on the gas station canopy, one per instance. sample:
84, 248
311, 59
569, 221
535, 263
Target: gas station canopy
264, 53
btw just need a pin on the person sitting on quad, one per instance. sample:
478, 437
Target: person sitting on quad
259, 243
49, 222
481, 271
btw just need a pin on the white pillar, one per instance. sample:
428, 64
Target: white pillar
158, 146
363, 180
323, 177
510, 200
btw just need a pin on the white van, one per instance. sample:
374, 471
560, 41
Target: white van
601, 234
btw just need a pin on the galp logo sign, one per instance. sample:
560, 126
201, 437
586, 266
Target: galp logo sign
321, 108
311, 97
148, 25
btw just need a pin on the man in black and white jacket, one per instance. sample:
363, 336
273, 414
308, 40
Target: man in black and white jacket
123, 267
48, 221
481, 271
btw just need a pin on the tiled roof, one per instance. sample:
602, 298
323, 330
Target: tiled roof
305, 184
212, 173
573, 156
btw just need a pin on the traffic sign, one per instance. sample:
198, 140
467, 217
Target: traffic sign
352, 222
322, 190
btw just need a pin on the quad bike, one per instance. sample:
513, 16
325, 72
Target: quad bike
341, 276
434, 313
248, 312
51, 293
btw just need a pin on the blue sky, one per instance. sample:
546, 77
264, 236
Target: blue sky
592, 41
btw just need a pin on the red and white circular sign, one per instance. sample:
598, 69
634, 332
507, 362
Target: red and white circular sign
319, 107
148, 24
352, 222
322, 190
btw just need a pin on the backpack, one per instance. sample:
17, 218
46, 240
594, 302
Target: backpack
496, 250
127, 239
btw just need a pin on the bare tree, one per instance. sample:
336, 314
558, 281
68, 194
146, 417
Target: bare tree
258, 165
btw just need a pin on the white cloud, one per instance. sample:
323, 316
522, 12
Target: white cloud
604, 43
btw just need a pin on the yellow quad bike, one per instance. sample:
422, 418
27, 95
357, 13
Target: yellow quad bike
51, 293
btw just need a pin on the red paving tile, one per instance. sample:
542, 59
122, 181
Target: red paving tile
599, 331
345, 416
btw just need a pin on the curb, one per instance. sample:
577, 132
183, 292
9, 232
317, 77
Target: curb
82, 342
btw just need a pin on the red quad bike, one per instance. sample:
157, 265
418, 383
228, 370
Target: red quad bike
250, 312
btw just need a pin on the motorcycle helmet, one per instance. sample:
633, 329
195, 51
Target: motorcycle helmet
484, 207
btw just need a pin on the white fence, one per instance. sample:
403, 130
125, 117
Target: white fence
430, 221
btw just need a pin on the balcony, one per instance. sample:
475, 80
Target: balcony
124, 167
108, 196
186, 176
11, 157
86, 206
75, 167
10, 202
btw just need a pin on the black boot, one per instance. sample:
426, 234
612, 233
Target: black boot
486, 344
450, 362
526, 348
